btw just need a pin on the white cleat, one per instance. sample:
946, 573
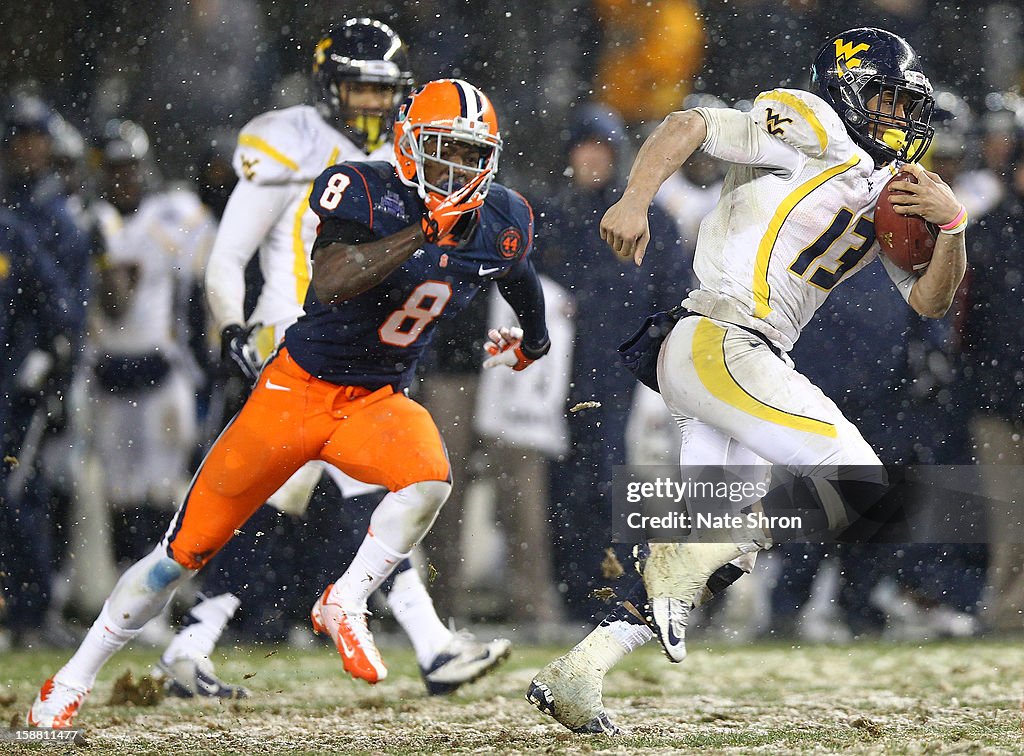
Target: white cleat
674, 574
569, 690
463, 660
56, 706
185, 678
669, 618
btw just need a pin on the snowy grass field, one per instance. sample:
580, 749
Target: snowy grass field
952, 697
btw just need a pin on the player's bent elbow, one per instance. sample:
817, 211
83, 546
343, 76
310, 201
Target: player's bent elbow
323, 288
929, 307
933, 295
686, 121
324, 293
935, 313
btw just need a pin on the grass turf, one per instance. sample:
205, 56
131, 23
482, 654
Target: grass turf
952, 697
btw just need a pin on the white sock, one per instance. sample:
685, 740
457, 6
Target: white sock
607, 645
197, 639
144, 589
139, 595
370, 567
414, 610
104, 639
630, 635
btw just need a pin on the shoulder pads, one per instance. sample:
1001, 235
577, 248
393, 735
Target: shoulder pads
273, 147
800, 119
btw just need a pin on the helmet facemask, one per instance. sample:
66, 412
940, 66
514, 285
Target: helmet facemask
371, 123
430, 144
882, 132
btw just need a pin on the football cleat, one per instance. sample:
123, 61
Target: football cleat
186, 678
668, 618
347, 627
674, 574
55, 706
463, 660
569, 691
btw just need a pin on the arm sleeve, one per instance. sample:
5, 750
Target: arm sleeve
521, 288
735, 137
340, 231
904, 281
251, 212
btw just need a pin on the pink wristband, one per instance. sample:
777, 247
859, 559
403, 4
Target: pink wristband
956, 221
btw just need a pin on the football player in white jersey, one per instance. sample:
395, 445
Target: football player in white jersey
143, 384
794, 219
361, 70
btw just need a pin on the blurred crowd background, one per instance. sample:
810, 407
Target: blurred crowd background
107, 104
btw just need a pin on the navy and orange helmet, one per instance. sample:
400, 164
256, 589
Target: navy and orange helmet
436, 113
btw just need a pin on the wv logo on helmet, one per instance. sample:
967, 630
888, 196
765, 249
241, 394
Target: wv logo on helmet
847, 52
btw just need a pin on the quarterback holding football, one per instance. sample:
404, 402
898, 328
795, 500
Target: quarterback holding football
794, 220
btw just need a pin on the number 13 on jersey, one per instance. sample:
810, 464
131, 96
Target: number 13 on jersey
825, 277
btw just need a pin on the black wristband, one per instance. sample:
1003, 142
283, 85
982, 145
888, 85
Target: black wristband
535, 352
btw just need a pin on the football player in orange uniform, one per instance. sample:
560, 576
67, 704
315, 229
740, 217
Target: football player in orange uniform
362, 72
398, 248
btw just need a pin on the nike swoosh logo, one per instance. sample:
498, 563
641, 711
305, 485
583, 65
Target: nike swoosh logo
457, 670
208, 686
673, 639
487, 271
348, 652
274, 387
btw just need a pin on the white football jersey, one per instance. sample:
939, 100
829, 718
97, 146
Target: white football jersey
795, 216
168, 238
284, 151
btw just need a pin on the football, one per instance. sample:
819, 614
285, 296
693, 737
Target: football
907, 240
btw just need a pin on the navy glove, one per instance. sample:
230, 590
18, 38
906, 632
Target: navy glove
236, 351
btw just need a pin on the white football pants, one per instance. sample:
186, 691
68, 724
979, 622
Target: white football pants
737, 403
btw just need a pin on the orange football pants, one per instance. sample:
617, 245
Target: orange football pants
291, 417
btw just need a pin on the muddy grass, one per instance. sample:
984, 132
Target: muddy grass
862, 698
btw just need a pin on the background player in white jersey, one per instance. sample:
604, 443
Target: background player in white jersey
144, 380
361, 70
795, 219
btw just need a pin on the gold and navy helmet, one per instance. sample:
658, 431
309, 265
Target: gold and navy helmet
855, 66
366, 51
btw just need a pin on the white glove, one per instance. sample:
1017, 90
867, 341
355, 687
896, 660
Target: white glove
505, 348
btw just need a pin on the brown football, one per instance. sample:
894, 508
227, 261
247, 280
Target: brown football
907, 240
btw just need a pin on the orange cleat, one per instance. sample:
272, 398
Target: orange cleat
347, 628
56, 706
